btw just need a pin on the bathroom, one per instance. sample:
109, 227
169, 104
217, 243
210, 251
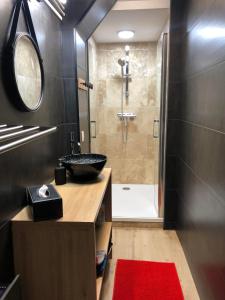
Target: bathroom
164, 158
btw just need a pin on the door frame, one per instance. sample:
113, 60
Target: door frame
163, 124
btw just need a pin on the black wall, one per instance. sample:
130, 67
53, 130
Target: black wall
32, 163
82, 17
75, 12
196, 140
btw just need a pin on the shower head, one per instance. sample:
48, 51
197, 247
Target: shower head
127, 49
121, 62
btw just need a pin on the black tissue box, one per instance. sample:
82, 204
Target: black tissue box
45, 208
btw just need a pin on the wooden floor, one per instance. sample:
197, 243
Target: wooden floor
152, 244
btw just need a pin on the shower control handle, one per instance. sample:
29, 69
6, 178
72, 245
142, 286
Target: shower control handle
156, 129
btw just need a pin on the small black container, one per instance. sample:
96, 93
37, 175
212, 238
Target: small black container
60, 174
46, 208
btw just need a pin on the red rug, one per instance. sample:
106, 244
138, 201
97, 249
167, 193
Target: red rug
144, 280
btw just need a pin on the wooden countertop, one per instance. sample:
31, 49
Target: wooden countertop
81, 202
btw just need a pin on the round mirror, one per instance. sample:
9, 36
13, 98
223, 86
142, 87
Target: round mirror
28, 72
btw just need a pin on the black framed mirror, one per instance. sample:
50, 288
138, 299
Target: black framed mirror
23, 63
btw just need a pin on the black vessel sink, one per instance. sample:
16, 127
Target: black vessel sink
84, 166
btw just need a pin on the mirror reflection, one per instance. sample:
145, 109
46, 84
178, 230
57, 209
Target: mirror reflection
28, 72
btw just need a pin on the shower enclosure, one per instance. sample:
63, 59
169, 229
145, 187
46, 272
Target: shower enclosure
124, 114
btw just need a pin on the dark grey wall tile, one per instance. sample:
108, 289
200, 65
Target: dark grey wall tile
68, 61
201, 228
202, 205
204, 44
71, 105
66, 130
203, 150
6, 7
6, 255
81, 52
49, 36
94, 17
171, 172
175, 97
172, 209
51, 112
172, 137
195, 10
202, 103
198, 135
32, 163
76, 10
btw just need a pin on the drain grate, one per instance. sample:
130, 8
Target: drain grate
126, 188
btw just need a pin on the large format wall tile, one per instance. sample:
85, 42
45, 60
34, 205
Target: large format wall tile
204, 44
201, 230
204, 105
6, 254
196, 140
195, 10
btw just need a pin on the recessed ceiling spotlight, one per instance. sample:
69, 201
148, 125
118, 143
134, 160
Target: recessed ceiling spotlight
125, 34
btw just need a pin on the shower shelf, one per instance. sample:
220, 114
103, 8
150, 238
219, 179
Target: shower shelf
126, 115
12, 137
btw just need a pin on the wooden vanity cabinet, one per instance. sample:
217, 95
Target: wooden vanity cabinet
57, 259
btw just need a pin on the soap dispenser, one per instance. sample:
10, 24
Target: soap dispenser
60, 174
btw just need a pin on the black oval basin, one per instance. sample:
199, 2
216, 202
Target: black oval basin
84, 166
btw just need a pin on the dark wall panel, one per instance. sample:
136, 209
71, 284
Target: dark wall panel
205, 43
174, 99
32, 163
198, 140
195, 9
6, 254
204, 105
94, 17
77, 9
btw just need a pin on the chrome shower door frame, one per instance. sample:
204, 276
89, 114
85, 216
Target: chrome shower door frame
163, 123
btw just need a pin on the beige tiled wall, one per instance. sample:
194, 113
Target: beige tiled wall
134, 161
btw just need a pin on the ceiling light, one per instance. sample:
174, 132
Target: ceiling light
125, 34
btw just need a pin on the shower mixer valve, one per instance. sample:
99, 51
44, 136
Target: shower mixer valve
126, 115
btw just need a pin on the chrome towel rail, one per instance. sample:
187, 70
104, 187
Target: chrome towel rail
17, 133
22, 141
11, 128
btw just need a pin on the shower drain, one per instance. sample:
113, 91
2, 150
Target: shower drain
126, 188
